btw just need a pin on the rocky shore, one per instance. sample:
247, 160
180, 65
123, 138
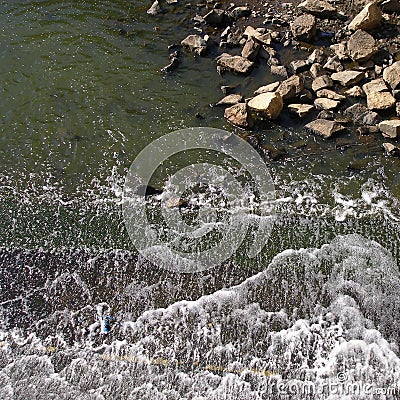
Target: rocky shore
347, 78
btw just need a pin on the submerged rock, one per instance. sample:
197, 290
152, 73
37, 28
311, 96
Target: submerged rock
390, 128
369, 18
268, 104
237, 64
361, 46
324, 127
237, 115
304, 27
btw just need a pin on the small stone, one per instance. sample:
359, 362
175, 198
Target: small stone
195, 43
230, 100
317, 70
290, 87
377, 85
340, 50
317, 56
348, 78
333, 64
319, 8
306, 96
155, 8
322, 82
251, 49
237, 64
390, 128
391, 149
330, 94
264, 38
300, 109
369, 18
361, 46
380, 101
237, 115
325, 128
391, 75
326, 104
299, 66
269, 104
267, 88
355, 91
279, 70
304, 27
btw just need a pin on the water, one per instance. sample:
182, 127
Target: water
82, 95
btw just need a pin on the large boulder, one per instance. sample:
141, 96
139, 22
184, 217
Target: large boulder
376, 85
268, 104
319, 8
237, 115
304, 27
237, 64
369, 18
391, 75
380, 100
324, 127
347, 78
361, 46
390, 128
195, 43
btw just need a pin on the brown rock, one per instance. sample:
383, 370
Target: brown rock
369, 18
380, 101
237, 115
377, 85
333, 64
267, 88
322, 82
324, 127
317, 70
355, 91
230, 100
269, 104
300, 109
195, 43
348, 78
326, 104
361, 46
237, 64
319, 8
317, 56
263, 38
390, 128
330, 94
391, 149
251, 49
279, 70
290, 87
391, 75
304, 27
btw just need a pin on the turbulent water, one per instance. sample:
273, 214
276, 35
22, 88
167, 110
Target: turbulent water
315, 315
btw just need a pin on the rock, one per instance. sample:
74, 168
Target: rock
216, 17
333, 64
348, 78
361, 115
322, 82
391, 75
369, 18
300, 109
279, 70
355, 91
330, 94
367, 130
228, 89
267, 88
340, 50
317, 70
369, 118
237, 64
155, 8
390, 128
304, 27
251, 49
325, 114
195, 43
175, 202
380, 101
237, 115
391, 6
324, 127
230, 100
361, 46
319, 8
240, 12
323, 103
391, 149
317, 56
269, 104
264, 38
377, 85
299, 66
290, 87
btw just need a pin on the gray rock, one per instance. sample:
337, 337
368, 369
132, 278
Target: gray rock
319, 8
324, 127
216, 17
237, 64
195, 43
391, 75
390, 128
230, 100
304, 27
340, 50
369, 18
391, 149
290, 87
317, 70
300, 110
322, 82
267, 88
299, 66
361, 115
348, 78
268, 104
279, 70
251, 49
155, 8
380, 100
377, 85
237, 115
361, 46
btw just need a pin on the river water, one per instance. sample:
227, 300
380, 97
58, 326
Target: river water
82, 95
